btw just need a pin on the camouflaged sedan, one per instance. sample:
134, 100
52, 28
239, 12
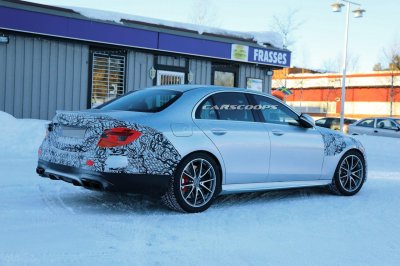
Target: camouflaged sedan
191, 143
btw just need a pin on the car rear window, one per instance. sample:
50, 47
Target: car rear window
146, 100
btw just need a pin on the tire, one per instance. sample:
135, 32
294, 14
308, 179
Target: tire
195, 184
349, 175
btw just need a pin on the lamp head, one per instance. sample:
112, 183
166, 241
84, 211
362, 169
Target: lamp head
337, 7
358, 13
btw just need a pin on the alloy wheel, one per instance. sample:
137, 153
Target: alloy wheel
351, 173
198, 183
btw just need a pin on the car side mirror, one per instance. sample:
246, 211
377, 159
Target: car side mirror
306, 121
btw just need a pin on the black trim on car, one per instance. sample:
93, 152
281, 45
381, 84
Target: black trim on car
117, 182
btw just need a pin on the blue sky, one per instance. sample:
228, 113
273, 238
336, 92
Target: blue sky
319, 40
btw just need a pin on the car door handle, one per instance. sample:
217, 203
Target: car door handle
376, 131
218, 131
277, 132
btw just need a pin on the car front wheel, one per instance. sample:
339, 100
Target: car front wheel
349, 175
194, 185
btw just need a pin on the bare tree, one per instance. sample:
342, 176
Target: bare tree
334, 64
203, 13
377, 67
392, 60
286, 25
392, 56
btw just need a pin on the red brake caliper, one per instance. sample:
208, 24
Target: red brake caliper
185, 181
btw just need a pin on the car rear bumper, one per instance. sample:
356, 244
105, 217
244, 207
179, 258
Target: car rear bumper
120, 182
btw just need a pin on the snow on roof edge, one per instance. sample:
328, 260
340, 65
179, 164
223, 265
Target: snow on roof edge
262, 38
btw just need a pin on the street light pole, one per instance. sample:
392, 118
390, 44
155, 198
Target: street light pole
357, 13
344, 68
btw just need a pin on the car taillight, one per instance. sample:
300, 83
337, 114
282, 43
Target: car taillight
118, 136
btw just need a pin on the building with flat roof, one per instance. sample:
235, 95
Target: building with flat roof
73, 58
367, 94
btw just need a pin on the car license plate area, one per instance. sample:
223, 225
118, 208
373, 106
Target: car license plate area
73, 132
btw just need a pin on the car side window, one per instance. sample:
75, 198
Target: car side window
349, 121
275, 112
225, 106
205, 110
232, 106
335, 122
366, 123
385, 124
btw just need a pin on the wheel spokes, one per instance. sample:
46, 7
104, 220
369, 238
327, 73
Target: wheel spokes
198, 182
351, 173
188, 175
191, 191
194, 170
201, 168
205, 173
206, 188
187, 185
355, 165
195, 197
202, 195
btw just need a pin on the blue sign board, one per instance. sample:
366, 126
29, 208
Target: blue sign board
269, 56
103, 32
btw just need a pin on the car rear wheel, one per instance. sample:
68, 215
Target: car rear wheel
194, 185
349, 175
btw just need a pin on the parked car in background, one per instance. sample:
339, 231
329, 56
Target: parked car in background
379, 126
334, 123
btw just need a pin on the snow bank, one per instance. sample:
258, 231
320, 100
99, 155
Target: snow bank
20, 137
382, 153
45, 222
265, 37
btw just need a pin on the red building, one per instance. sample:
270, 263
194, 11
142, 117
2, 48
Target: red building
367, 94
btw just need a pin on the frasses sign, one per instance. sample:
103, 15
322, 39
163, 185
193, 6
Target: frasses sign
260, 55
270, 57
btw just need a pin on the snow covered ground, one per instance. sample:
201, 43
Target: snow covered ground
44, 222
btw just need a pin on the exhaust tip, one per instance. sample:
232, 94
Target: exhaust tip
91, 184
40, 171
53, 177
76, 183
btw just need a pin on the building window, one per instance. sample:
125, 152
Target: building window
225, 75
170, 77
254, 84
226, 79
108, 77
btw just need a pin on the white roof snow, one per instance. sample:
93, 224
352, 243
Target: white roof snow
262, 38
